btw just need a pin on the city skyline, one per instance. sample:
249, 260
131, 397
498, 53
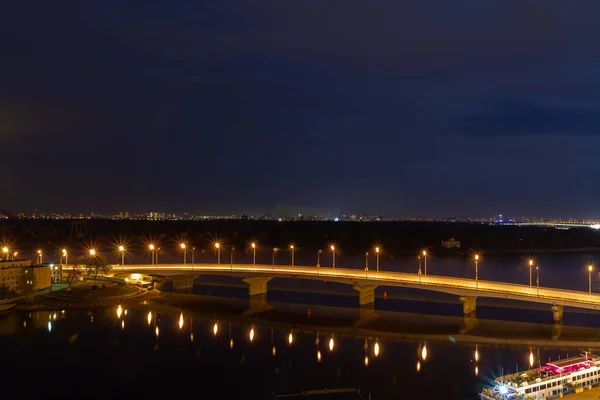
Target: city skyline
437, 109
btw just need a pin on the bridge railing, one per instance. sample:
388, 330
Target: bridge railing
382, 277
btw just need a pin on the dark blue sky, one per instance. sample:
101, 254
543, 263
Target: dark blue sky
436, 108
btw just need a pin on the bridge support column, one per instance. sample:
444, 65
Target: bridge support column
557, 314
366, 295
469, 305
257, 291
257, 285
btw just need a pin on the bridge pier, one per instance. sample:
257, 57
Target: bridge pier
557, 314
469, 305
366, 295
257, 285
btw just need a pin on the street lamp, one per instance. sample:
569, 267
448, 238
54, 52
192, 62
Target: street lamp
537, 270
253, 253
476, 271
65, 255
425, 262
318, 258
332, 247
590, 269
182, 246
275, 249
218, 247
530, 271
151, 247
40, 256
92, 252
122, 251
5, 251
231, 256
367, 261
14, 255
377, 258
292, 252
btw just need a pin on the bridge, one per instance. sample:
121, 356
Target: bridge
364, 282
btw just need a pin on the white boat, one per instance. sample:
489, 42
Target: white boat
551, 381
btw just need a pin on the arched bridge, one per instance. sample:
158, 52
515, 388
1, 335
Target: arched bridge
365, 283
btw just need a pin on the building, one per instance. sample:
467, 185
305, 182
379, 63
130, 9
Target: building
36, 277
451, 244
11, 275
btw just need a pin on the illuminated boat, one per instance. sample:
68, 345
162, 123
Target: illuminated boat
554, 380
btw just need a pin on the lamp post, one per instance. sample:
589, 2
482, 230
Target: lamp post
367, 261
318, 258
476, 271
122, 251
5, 251
425, 262
40, 256
274, 251
218, 247
193, 255
65, 256
590, 269
182, 245
537, 270
419, 270
151, 247
292, 251
253, 245
377, 257
231, 256
530, 272
332, 247
14, 255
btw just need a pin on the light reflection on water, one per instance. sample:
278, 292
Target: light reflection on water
281, 360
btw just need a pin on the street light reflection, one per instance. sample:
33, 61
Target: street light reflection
181, 321
331, 344
149, 317
215, 329
119, 311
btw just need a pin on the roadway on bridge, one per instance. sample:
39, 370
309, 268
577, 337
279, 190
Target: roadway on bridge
444, 284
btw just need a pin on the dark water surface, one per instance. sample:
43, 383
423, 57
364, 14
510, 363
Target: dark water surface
97, 354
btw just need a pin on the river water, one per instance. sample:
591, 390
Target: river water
97, 353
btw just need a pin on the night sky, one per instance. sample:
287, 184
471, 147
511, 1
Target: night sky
433, 108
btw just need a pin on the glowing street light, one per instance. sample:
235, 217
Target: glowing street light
292, 251
253, 245
122, 251
275, 250
251, 334
424, 262
40, 256
530, 272
65, 255
151, 247
476, 271
5, 251
590, 270
332, 247
377, 257
92, 252
218, 247
182, 246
